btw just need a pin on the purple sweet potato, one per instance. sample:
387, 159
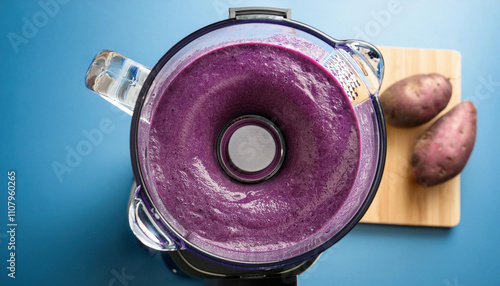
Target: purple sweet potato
415, 100
442, 151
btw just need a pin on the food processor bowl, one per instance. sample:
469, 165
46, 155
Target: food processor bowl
357, 66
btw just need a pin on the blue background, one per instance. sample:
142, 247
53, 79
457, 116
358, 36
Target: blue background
75, 231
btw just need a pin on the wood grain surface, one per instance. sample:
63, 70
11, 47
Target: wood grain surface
400, 200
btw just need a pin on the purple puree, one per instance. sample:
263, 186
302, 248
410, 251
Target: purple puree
302, 99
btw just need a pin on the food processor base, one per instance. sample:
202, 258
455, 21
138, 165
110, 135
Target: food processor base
185, 263
272, 281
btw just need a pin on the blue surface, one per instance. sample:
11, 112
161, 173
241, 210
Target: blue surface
74, 231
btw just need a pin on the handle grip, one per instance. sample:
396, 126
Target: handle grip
116, 78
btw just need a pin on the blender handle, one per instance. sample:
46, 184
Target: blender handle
146, 226
116, 78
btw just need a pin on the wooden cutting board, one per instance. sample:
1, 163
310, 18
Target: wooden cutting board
399, 199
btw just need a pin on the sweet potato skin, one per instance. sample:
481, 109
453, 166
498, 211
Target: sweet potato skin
442, 151
415, 100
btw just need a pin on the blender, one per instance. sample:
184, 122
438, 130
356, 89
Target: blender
356, 66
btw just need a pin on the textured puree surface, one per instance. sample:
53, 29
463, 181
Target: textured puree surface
302, 99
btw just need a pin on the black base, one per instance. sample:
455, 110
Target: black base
185, 263
268, 281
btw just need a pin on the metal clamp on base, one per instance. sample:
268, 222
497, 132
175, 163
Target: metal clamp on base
259, 12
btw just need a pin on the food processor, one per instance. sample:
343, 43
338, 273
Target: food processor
356, 65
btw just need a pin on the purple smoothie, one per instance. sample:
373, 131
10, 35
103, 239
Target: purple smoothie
315, 117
